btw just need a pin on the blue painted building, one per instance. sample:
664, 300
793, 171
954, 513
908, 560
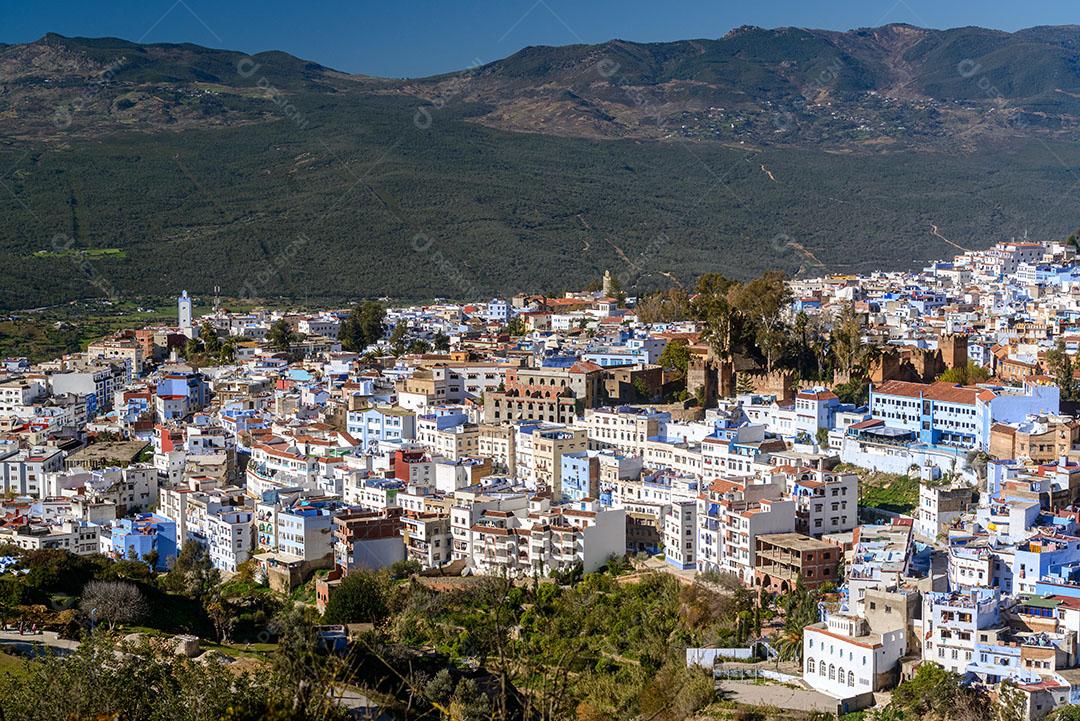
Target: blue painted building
374, 425
1044, 557
497, 311
179, 394
580, 475
946, 414
138, 536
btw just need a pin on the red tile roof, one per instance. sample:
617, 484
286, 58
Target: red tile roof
819, 396
938, 391
585, 367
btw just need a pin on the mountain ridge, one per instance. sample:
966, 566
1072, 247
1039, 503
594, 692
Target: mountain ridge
812, 151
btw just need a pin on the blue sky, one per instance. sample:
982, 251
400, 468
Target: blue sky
423, 37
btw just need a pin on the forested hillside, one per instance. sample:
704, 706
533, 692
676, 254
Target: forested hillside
139, 170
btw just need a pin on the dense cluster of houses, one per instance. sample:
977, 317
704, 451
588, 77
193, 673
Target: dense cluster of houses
980, 577
560, 446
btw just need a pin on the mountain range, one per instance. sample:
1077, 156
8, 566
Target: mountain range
137, 170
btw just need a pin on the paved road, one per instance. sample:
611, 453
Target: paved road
774, 694
49, 638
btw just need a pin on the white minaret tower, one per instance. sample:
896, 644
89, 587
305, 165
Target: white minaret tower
183, 310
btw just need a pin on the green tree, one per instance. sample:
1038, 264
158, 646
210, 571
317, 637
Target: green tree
618, 293
192, 348
362, 597
1011, 705
364, 326
743, 383
147, 682
469, 703
208, 336
809, 339
855, 391
397, 338
228, 350
403, 569
440, 689
516, 326
676, 356
281, 336
713, 309
644, 394
762, 302
12, 595
192, 573
932, 691
677, 691
800, 610
845, 340
667, 306
970, 374
1059, 364
1068, 712
222, 614
56, 571
441, 342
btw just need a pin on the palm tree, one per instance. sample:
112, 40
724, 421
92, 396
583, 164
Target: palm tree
789, 645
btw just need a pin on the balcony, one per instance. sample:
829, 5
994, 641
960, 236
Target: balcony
778, 571
417, 544
780, 556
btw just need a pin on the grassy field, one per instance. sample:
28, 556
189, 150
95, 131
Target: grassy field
898, 494
258, 651
89, 253
886, 491
14, 665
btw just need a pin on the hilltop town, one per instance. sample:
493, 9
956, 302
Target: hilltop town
880, 471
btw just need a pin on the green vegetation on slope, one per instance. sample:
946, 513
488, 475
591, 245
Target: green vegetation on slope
270, 210
885, 491
288, 180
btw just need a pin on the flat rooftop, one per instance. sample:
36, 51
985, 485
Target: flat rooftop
796, 542
111, 452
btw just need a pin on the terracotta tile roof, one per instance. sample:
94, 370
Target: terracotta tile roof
585, 367
938, 391
820, 396
721, 486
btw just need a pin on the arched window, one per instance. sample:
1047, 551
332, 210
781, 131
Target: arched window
821, 668
809, 665
840, 674
850, 678
832, 672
